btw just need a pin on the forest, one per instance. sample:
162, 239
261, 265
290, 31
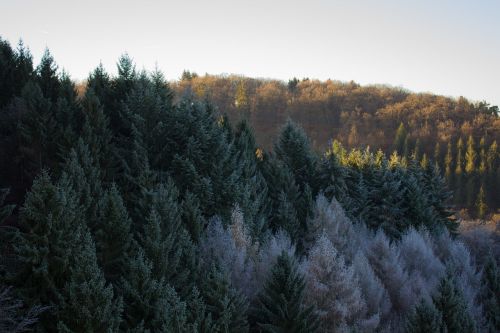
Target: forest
134, 204
461, 137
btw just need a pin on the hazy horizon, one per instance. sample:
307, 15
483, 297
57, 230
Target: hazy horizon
449, 48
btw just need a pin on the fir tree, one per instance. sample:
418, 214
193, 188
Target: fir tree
280, 305
58, 263
150, 305
424, 319
113, 235
450, 303
228, 308
89, 305
47, 77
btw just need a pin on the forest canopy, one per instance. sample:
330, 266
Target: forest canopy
139, 205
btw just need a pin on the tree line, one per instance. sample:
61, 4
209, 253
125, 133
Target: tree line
131, 208
382, 117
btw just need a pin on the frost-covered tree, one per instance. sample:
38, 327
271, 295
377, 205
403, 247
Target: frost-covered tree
332, 287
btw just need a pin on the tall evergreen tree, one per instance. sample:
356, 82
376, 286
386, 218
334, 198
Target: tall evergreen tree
228, 308
58, 263
424, 319
113, 235
450, 303
47, 77
280, 305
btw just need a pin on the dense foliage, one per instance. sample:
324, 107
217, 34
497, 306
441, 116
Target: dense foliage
460, 136
133, 209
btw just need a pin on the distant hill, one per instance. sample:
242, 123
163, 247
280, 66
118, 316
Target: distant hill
430, 125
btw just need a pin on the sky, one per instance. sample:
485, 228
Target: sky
448, 47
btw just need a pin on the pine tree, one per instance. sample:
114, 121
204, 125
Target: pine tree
280, 305
424, 319
450, 303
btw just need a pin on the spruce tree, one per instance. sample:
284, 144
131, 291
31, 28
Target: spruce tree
228, 307
113, 235
253, 199
89, 305
279, 306
150, 305
58, 264
47, 77
293, 148
165, 241
450, 303
424, 319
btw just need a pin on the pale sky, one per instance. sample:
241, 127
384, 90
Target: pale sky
449, 47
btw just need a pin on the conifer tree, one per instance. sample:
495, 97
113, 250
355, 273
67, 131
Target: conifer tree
228, 308
113, 235
150, 305
448, 167
399, 141
424, 319
481, 204
58, 262
294, 150
89, 305
253, 188
8, 67
437, 154
491, 294
450, 303
24, 67
165, 241
47, 77
280, 305
459, 173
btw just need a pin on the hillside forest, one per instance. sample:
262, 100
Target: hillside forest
134, 204
459, 136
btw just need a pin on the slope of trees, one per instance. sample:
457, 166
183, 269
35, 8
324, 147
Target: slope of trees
460, 136
132, 208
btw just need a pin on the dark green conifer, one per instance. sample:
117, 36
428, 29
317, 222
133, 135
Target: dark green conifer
450, 303
279, 306
425, 318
